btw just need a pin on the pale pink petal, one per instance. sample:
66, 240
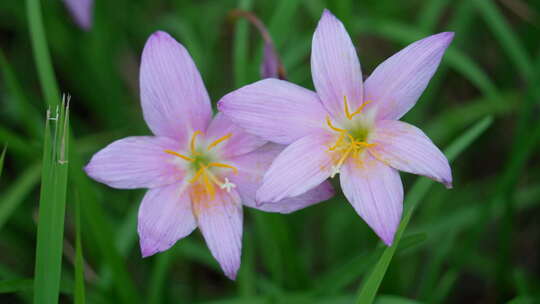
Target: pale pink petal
220, 221
173, 96
275, 110
136, 162
335, 67
240, 142
376, 193
81, 10
397, 83
407, 148
302, 166
165, 216
251, 169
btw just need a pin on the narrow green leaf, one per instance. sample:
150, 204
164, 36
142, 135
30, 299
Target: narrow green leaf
371, 284
50, 230
508, 40
78, 293
15, 285
431, 13
2, 156
30, 117
158, 277
41, 53
240, 47
22, 186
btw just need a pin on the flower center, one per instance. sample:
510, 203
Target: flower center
349, 143
200, 162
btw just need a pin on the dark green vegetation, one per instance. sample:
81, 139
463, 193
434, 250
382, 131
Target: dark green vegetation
476, 243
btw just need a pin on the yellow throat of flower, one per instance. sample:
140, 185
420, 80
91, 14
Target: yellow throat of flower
203, 180
348, 143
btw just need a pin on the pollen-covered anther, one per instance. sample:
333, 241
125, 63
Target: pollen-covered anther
357, 111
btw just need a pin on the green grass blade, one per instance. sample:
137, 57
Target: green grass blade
371, 284
41, 53
30, 117
240, 47
15, 285
50, 230
508, 40
19, 190
431, 13
158, 277
2, 157
78, 293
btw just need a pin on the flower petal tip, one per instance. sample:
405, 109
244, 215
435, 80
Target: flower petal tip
448, 184
231, 275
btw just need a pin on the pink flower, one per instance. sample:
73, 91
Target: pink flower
349, 126
81, 10
199, 170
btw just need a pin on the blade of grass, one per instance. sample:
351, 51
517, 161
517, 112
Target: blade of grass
371, 284
91, 211
158, 277
78, 292
29, 116
11, 199
430, 14
507, 39
41, 53
240, 47
15, 285
50, 230
2, 157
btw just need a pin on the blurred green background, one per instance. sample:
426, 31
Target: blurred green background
476, 243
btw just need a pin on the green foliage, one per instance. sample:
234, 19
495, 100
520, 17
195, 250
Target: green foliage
475, 243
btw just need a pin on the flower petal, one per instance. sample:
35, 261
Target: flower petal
136, 162
376, 193
173, 96
302, 166
81, 10
407, 148
335, 67
251, 169
240, 142
220, 221
275, 110
397, 83
165, 216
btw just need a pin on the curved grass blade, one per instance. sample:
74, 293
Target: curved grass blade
2, 156
371, 284
78, 293
18, 192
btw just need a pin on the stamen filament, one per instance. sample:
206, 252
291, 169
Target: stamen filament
329, 122
192, 142
189, 159
219, 140
358, 111
221, 165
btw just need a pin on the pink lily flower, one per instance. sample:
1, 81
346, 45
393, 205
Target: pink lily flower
199, 169
81, 10
348, 126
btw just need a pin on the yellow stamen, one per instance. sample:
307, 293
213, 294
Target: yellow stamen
221, 165
209, 186
358, 111
198, 174
329, 122
192, 142
217, 141
189, 159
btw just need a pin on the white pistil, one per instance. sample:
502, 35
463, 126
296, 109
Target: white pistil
227, 185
